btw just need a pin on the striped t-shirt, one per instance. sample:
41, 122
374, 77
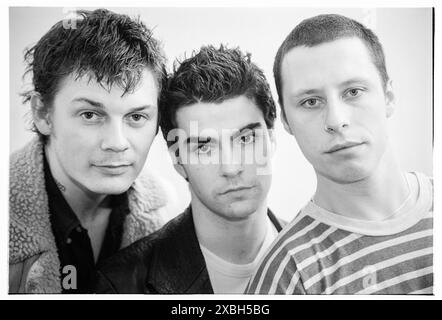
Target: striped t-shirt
320, 252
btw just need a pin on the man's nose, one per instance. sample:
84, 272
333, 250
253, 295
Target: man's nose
337, 117
231, 161
114, 137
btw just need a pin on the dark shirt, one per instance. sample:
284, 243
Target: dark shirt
73, 242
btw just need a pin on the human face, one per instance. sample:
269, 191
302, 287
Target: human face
226, 159
99, 138
336, 107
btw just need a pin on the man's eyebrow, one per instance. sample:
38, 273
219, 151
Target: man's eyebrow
101, 106
142, 108
193, 139
250, 127
353, 80
304, 92
89, 101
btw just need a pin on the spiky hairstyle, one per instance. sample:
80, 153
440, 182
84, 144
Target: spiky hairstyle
215, 75
110, 48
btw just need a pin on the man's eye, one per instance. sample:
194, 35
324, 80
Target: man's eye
355, 92
89, 115
310, 103
137, 117
247, 139
203, 149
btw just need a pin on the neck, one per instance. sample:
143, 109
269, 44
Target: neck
375, 197
237, 241
85, 204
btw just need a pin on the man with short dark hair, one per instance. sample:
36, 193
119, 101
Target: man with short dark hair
217, 116
368, 228
76, 196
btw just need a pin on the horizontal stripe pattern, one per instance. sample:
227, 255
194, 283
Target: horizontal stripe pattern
312, 257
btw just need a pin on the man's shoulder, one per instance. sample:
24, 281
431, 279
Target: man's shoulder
27, 193
424, 178
141, 250
294, 233
282, 255
148, 204
131, 266
27, 158
148, 191
299, 224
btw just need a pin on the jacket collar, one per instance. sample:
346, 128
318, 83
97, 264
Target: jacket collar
30, 231
278, 223
178, 264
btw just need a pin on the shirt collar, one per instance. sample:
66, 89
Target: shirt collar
63, 217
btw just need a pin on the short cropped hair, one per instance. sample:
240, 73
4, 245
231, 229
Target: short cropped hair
326, 28
214, 75
110, 48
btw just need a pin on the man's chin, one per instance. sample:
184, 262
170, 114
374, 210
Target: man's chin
110, 188
240, 210
348, 176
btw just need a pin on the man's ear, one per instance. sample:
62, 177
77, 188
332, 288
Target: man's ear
272, 141
390, 101
40, 115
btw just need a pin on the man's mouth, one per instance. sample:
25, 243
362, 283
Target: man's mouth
114, 168
343, 146
113, 165
236, 189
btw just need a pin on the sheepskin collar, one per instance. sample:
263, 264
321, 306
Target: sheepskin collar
30, 232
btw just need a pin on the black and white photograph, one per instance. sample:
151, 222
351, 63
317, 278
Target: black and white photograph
214, 150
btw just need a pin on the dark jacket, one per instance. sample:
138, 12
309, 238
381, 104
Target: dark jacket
165, 262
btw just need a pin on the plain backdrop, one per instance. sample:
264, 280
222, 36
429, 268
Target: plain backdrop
406, 35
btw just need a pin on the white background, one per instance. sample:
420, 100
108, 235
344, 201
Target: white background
406, 35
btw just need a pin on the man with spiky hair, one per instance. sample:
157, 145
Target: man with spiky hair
216, 116
76, 196
368, 229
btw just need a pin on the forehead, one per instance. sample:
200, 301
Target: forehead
231, 114
73, 87
328, 63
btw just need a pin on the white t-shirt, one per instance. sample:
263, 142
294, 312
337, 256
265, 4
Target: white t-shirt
230, 278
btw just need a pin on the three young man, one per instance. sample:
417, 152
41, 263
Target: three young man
76, 193
368, 228
217, 113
